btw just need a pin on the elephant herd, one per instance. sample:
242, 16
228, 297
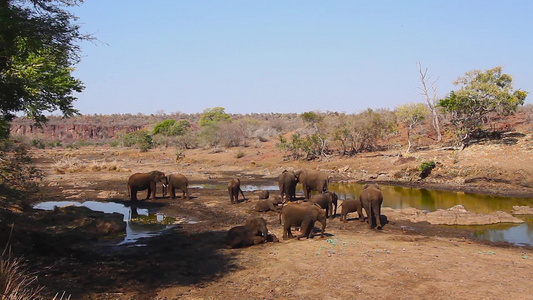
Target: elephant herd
302, 214
148, 181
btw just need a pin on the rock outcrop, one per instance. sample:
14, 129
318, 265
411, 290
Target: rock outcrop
522, 210
456, 215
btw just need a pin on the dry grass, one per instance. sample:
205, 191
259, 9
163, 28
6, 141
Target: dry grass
15, 281
75, 165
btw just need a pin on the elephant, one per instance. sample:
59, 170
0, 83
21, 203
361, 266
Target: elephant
263, 194
142, 181
253, 232
234, 187
277, 200
178, 181
371, 199
287, 185
312, 180
351, 205
264, 205
303, 215
326, 200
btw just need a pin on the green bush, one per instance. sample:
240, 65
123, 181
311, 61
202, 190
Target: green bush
38, 144
426, 168
140, 139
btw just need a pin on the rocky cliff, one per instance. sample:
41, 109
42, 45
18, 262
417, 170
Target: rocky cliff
70, 132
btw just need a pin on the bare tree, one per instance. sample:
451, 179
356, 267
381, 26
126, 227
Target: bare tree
431, 98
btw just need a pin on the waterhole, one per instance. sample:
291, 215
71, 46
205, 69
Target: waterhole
140, 222
431, 200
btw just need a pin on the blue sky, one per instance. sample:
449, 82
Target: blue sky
291, 56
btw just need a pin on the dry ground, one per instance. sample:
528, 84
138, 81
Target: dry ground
402, 261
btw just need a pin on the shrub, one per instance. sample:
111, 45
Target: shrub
239, 154
426, 167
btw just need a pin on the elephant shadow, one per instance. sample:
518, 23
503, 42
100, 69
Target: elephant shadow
384, 220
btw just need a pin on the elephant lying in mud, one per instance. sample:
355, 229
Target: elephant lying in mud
178, 181
263, 194
234, 187
253, 232
142, 181
264, 205
303, 215
351, 205
326, 200
371, 199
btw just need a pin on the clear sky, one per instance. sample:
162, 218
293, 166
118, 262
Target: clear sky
291, 56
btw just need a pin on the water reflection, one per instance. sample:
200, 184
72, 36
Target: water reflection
431, 200
140, 222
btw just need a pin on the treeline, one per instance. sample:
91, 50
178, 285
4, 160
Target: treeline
303, 136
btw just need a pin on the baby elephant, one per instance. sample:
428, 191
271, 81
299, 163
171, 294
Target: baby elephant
264, 205
351, 205
253, 232
263, 194
234, 187
326, 200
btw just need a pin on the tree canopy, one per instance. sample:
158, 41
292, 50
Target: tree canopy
212, 116
482, 96
37, 53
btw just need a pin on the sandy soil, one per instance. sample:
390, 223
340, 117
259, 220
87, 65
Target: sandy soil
402, 261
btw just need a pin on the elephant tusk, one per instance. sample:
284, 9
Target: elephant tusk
165, 185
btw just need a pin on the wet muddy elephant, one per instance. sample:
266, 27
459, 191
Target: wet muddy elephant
303, 215
351, 205
263, 194
312, 180
264, 205
178, 181
142, 181
371, 199
287, 185
326, 200
253, 232
234, 187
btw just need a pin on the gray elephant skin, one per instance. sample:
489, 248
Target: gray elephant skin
264, 205
303, 215
326, 200
312, 180
234, 187
371, 199
253, 232
287, 181
263, 194
351, 205
178, 181
142, 181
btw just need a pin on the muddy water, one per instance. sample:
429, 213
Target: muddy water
431, 200
140, 222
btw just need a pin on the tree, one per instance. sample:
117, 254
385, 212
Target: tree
482, 96
431, 98
37, 53
411, 114
213, 116
317, 142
